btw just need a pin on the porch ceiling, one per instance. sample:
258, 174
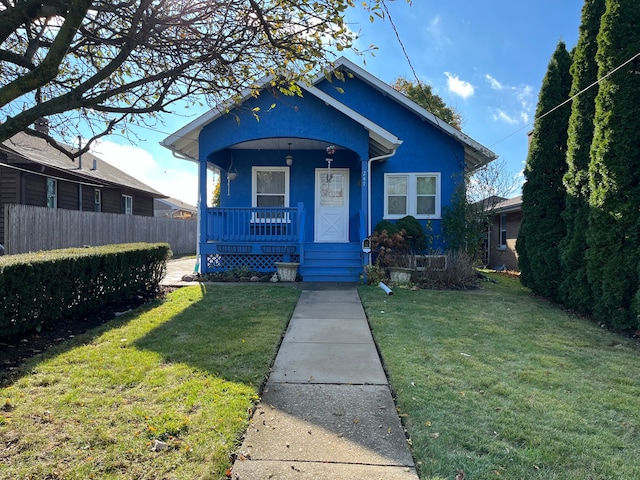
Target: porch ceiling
282, 144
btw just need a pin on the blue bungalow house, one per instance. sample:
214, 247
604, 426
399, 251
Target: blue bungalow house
305, 179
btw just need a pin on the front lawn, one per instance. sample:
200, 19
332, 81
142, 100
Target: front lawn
164, 392
500, 384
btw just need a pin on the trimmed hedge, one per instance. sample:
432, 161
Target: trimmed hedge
42, 287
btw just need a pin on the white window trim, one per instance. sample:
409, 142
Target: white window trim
130, 212
412, 195
254, 183
503, 228
97, 200
55, 193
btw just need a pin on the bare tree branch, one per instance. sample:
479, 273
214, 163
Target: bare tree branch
94, 59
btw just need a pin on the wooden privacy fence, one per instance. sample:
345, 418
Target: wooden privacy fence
30, 229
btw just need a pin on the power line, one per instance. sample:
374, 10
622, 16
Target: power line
415, 76
570, 99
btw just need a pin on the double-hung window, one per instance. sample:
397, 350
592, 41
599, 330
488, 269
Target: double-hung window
52, 193
97, 200
503, 232
127, 204
270, 187
416, 194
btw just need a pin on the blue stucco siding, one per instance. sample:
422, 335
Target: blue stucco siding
425, 148
302, 117
291, 118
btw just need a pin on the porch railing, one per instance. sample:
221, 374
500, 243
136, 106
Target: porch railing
254, 224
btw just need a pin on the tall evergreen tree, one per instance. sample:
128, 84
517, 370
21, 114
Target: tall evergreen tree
575, 291
543, 194
613, 237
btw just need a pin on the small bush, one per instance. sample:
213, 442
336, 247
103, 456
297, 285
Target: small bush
386, 225
414, 233
390, 249
374, 274
457, 274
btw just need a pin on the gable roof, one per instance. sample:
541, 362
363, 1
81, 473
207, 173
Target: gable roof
509, 205
174, 204
37, 150
475, 154
184, 142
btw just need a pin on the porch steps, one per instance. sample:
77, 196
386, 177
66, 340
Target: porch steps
331, 262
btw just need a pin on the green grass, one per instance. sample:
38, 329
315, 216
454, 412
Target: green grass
186, 371
501, 384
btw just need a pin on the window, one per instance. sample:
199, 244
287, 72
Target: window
270, 187
127, 204
416, 194
97, 200
503, 232
52, 193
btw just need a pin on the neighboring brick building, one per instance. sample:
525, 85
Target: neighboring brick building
504, 233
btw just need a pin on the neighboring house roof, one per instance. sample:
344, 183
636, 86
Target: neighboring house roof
184, 142
174, 204
37, 150
509, 205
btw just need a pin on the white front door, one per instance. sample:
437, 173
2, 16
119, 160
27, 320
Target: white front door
332, 205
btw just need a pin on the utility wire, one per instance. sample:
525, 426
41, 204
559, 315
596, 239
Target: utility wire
406, 56
570, 99
415, 76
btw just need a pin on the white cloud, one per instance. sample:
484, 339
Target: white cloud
495, 84
438, 41
434, 25
175, 178
517, 101
501, 115
459, 87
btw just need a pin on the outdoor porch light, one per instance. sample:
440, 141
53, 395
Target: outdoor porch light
289, 157
330, 151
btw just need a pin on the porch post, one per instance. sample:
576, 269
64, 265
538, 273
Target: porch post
202, 214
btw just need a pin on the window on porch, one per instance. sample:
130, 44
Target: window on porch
270, 187
270, 190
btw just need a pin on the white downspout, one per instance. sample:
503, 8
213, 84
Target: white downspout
371, 160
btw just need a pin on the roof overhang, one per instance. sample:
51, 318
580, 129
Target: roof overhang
381, 141
184, 142
475, 154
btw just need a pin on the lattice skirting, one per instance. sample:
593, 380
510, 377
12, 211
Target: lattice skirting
258, 263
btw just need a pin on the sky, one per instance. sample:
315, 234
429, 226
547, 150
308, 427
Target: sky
485, 59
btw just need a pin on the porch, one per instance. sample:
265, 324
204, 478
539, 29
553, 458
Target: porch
258, 237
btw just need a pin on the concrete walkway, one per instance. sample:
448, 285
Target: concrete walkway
327, 410
176, 269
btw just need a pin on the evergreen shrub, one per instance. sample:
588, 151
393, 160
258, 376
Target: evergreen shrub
42, 287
